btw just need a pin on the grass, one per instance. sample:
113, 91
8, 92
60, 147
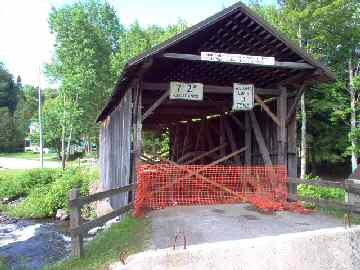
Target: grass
3, 265
130, 235
340, 214
29, 155
44, 190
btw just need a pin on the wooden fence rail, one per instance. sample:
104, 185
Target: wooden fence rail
348, 185
78, 229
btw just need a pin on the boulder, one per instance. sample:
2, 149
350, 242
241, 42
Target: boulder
62, 215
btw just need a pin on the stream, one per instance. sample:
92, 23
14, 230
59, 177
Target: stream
29, 244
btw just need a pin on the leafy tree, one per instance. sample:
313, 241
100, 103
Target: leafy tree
87, 34
329, 30
137, 39
10, 138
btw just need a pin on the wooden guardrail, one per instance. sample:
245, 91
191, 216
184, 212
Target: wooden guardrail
348, 185
78, 229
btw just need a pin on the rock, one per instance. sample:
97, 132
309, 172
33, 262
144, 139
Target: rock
102, 207
62, 215
5, 200
94, 231
112, 221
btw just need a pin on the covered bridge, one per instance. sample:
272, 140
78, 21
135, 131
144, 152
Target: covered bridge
225, 91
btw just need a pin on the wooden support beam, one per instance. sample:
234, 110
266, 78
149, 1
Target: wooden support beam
75, 222
282, 130
174, 147
192, 173
222, 136
206, 154
200, 136
285, 65
292, 110
267, 109
260, 139
138, 123
292, 149
208, 135
231, 138
211, 89
237, 122
156, 104
248, 139
186, 138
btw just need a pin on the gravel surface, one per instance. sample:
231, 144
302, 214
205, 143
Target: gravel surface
20, 163
206, 224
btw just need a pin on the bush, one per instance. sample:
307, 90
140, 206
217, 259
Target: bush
320, 192
45, 199
20, 183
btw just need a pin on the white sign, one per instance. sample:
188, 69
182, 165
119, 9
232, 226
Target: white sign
243, 97
188, 91
237, 58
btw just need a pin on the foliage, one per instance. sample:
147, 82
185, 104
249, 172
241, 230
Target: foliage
45, 190
15, 184
154, 142
3, 265
321, 192
329, 30
9, 90
137, 39
130, 235
10, 137
318, 192
87, 35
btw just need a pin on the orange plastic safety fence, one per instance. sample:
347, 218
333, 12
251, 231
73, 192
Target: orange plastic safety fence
163, 185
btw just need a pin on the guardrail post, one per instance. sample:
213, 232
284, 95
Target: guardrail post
75, 220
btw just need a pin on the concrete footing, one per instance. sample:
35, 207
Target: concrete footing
337, 248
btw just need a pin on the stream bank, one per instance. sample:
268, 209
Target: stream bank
29, 244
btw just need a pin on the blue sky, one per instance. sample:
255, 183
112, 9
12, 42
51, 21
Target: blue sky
26, 43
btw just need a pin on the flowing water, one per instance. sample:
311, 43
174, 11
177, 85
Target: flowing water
27, 244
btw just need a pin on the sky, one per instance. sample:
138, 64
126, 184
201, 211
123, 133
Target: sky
26, 44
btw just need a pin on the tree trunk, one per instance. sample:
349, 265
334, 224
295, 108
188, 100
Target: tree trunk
353, 116
303, 149
69, 145
63, 153
303, 157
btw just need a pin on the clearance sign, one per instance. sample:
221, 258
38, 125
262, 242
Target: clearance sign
243, 97
187, 91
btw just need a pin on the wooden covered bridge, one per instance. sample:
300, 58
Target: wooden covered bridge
225, 91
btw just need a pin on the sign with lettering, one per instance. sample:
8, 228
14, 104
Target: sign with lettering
188, 91
243, 97
237, 58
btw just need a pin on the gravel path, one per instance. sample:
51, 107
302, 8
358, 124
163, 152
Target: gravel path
19, 163
205, 224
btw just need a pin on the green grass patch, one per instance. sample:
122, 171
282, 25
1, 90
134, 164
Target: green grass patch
129, 235
46, 197
3, 265
17, 183
317, 192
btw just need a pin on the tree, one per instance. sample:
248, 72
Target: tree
329, 30
137, 39
87, 35
10, 138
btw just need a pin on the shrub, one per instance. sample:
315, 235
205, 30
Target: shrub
44, 200
20, 183
321, 192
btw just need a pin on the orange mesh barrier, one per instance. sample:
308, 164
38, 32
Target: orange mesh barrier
163, 185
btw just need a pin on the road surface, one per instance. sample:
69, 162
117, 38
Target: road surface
20, 163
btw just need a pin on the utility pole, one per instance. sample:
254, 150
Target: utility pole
40, 124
